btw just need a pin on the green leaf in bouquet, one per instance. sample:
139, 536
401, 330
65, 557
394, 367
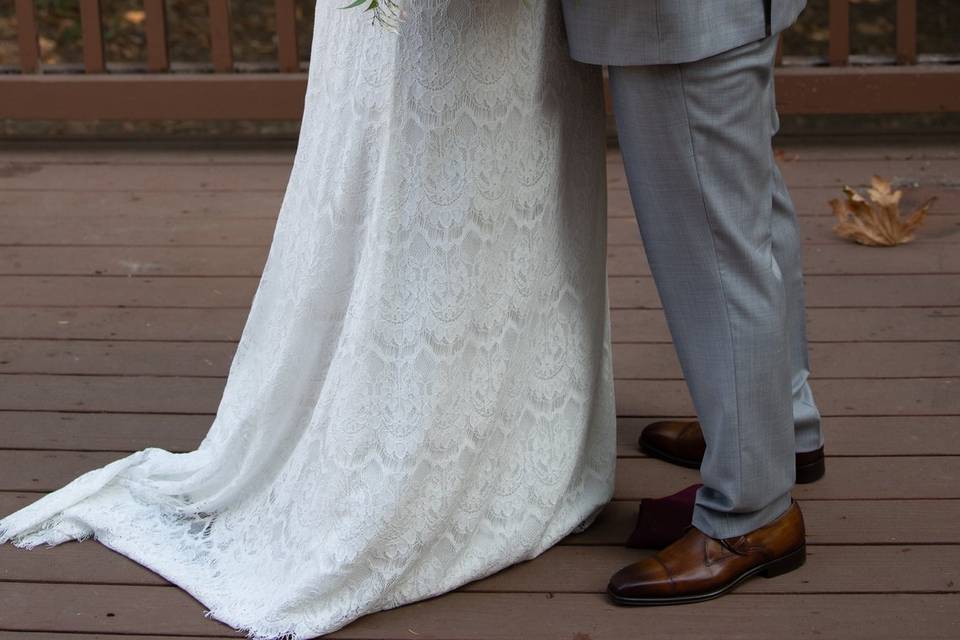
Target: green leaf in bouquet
357, 3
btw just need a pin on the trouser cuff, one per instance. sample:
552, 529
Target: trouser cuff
719, 524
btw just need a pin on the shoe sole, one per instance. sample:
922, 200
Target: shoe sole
663, 455
806, 474
785, 564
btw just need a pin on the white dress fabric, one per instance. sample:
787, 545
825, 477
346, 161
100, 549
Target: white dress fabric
422, 394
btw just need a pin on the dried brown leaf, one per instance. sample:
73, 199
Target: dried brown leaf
876, 221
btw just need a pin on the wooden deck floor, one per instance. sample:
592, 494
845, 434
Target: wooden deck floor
125, 277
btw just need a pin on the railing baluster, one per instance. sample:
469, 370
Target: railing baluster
906, 31
158, 56
221, 49
287, 56
27, 36
839, 52
92, 27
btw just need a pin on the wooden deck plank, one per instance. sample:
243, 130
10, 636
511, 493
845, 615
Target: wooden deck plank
45, 635
132, 230
792, 149
849, 478
631, 292
153, 261
633, 325
814, 231
44, 471
140, 291
829, 522
823, 325
906, 397
805, 149
626, 292
146, 394
933, 171
809, 201
227, 153
819, 259
102, 431
622, 260
186, 230
815, 201
631, 360
488, 616
833, 569
843, 148
833, 360
97, 357
563, 569
127, 177
65, 431
93, 323
152, 394
18, 174
856, 147
143, 204
844, 435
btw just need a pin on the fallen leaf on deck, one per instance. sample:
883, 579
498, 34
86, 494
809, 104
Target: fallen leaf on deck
876, 221
781, 156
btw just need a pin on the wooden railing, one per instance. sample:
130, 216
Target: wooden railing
904, 83
839, 53
838, 84
158, 57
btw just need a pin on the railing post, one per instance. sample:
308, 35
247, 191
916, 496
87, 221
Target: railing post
221, 48
27, 36
839, 53
92, 27
158, 56
906, 31
287, 55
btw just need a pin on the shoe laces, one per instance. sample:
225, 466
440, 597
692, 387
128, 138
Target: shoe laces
729, 546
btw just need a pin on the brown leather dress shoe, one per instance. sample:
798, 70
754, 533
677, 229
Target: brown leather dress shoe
697, 567
682, 443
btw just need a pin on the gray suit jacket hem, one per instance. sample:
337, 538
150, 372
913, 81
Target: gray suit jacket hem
582, 52
648, 32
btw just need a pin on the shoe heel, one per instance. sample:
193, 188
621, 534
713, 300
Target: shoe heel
811, 472
790, 562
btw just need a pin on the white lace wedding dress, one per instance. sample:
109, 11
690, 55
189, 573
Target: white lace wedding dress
422, 394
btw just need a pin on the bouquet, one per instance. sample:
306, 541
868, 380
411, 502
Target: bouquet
385, 12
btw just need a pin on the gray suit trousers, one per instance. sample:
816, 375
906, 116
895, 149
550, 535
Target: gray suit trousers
721, 238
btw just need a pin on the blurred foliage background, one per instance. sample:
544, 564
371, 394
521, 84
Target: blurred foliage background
872, 30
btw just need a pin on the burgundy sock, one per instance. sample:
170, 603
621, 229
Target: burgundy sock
661, 521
